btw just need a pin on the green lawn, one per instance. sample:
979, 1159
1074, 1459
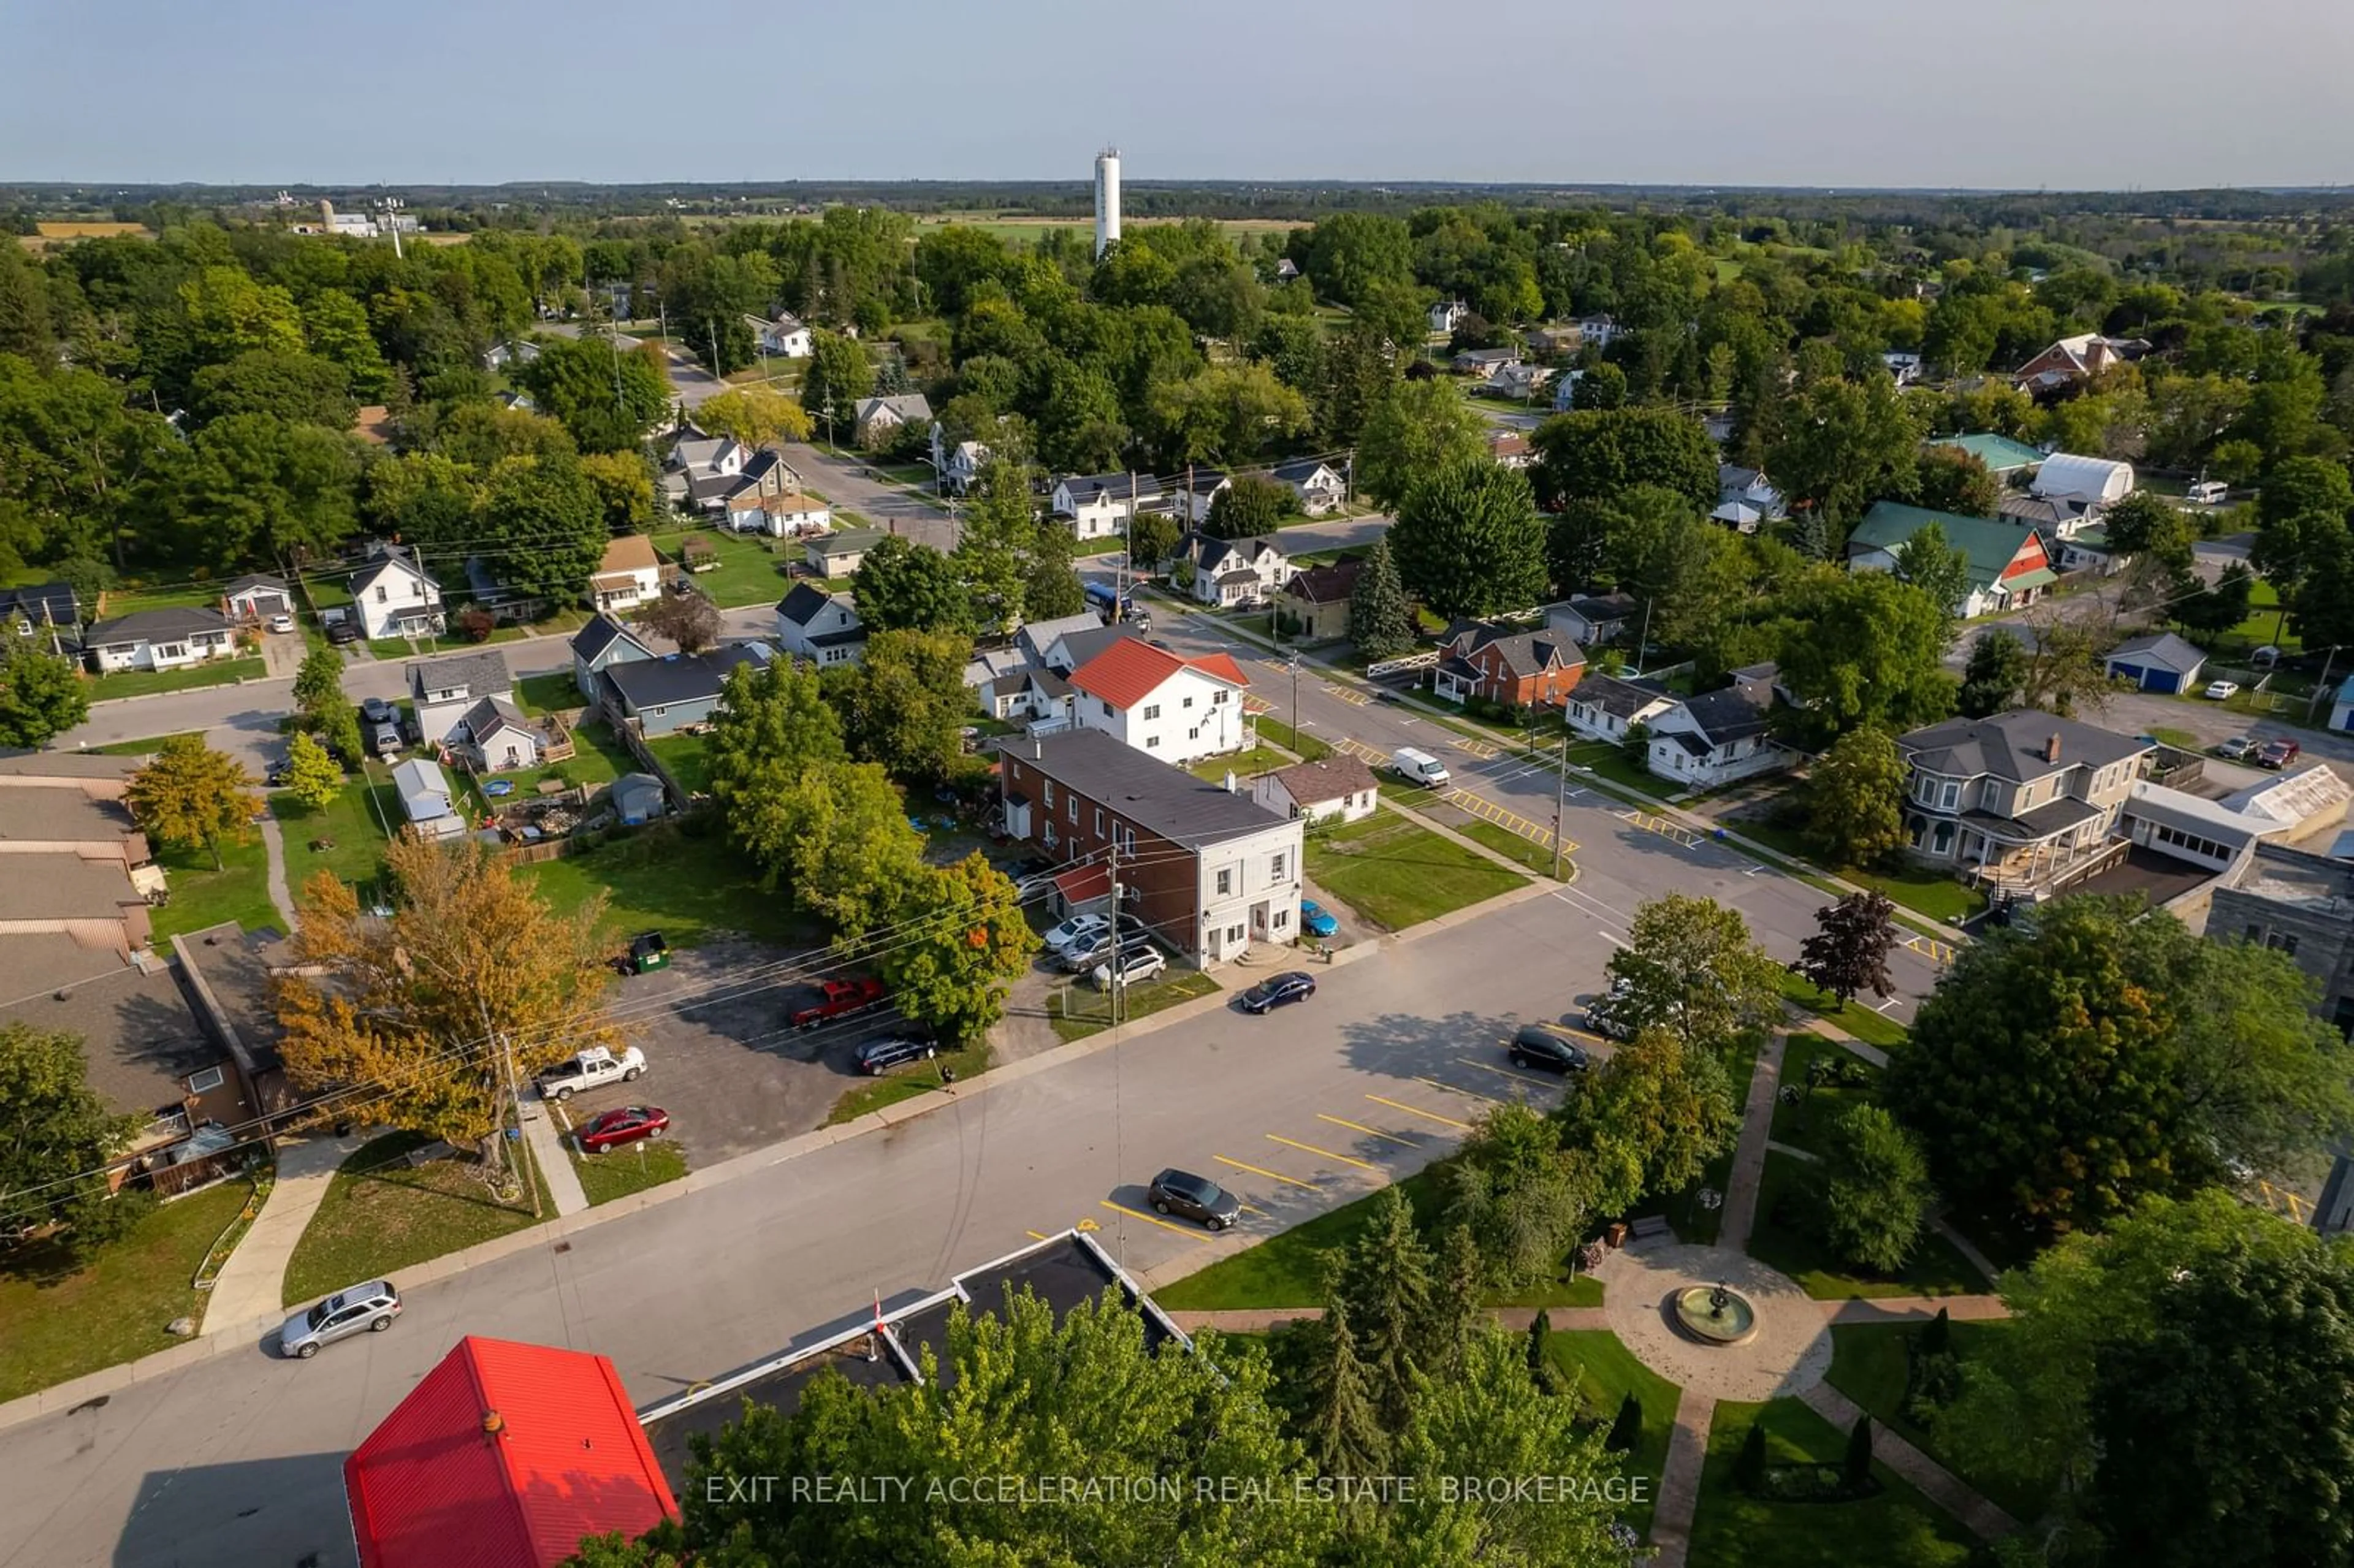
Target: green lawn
1935, 1268
692, 887
1872, 1027
1919, 889
1079, 1010
1287, 1268
380, 1216
1398, 874
202, 896
1610, 762
633, 1167
561, 622
1537, 857
1107, 545
1307, 748
1896, 1529
1241, 764
555, 691
356, 825
687, 758
751, 568
909, 1082
146, 683
1870, 1364
1801, 1126
597, 758
59, 1321
1606, 1372
145, 747
2264, 625
130, 598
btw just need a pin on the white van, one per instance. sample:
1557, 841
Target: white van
2208, 493
1420, 766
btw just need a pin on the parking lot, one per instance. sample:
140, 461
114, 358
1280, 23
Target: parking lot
722, 1060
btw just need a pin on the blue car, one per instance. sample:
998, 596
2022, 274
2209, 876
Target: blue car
1316, 920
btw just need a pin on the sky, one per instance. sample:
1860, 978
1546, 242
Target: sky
2023, 94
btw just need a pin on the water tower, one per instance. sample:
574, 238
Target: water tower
1107, 200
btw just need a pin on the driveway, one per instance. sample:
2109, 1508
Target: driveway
848, 484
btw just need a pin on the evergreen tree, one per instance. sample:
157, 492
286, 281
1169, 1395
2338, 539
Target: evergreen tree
1542, 1372
1937, 1339
1749, 1465
1384, 1282
1627, 1430
1996, 670
1381, 623
1857, 1470
1455, 1313
1338, 1422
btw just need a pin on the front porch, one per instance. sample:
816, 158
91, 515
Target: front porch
2032, 856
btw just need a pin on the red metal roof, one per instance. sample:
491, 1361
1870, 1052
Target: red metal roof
1223, 666
431, 1487
1127, 673
1081, 883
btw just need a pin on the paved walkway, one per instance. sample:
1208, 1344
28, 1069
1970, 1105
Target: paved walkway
1749, 1159
282, 896
1259, 1319
1986, 1520
1789, 1352
554, 1162
1914, 1308
1830, 1031
1678, 1498
250, 1292
1969, 1249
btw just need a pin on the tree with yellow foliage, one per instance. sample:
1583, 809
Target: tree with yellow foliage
756, 416
193, 796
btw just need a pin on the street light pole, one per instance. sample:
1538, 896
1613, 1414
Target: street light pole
1561, 798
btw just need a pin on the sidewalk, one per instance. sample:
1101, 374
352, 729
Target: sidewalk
1749, 1157
555, 1161
249, 1291
282, 896
1259, 1319
1938, 1484
1671, 1516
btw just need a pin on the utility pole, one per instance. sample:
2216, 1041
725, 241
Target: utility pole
523, 1143
1295, 699
1643, 642
1561, 796
2321, 687
1116, 991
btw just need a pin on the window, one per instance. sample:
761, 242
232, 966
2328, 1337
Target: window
1072, 803
1276, 871
1948, 796
2283, 942
1225, 879
1282, 920
1104, 704
1152, 710
1099, 821
1216, 698
2254, 933
211, 1078
1127, 837
1234, 933
1188, 702
1047, 791
1152, 743
381, 596
1194, 734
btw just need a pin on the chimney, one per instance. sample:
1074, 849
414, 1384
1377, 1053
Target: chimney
1230, 782
2052, 748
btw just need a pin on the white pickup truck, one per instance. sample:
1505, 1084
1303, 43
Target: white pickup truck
587, 1069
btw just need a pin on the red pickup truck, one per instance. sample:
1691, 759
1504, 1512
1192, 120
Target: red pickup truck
840, 999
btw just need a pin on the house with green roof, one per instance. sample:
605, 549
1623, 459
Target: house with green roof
2009, 567
2002, 456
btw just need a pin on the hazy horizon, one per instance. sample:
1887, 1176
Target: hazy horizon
2013, 96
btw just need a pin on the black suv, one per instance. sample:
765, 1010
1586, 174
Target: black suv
1195, 1197
1534, 1045
878, 1056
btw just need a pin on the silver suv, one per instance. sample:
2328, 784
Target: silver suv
363, 1309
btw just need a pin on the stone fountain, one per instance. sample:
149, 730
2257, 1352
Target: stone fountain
1714, 1314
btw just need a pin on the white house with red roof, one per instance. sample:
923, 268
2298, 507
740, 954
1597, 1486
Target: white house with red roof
503, 1455
1173, 708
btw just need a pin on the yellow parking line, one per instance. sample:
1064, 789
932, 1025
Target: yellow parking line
1248, 1209
1368, 1131
1506, 1072
1153, 1220
1412, 1110
1270, 1175
1460, 1090
1034, 1235
1291, 1143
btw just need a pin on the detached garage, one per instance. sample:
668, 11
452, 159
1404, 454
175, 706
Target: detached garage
2158, 661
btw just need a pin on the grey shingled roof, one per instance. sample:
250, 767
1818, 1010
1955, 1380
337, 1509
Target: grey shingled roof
599, 634
1621, 698
1725, 715
139, 1036
477, 674
2161, 649
2010, 745
802, 604
657, 683
1147, 793
154, 626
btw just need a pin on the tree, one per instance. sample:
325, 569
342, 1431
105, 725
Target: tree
2062, 666
688, 618
1865, 649
294, 388
474, 979
1416, 428
1855, 1470
838, 376
607, 397
1543, 1373
903, 704
1151, 539
773, 726
1384, 1282
959, 944
1649, 1120
1689, 967
2207, 612
192, 796
1337, 1421
1855, 798
1468, 540
41, 695
1749, 1464
2143, 523
1230, 413
1948, 479
312, 776
754, 416
59, 1130
902, 586
1848, 954
1599, 454
1996, 670
1936, 567
1381, 622
319, 682
252, 486
1051, 588
1627, 1427
1601, 387
1874, 1195
1250, 505
1843, 445
2108, 1055
545, 522
624, 485
1510, 1187
994, 547
849, 850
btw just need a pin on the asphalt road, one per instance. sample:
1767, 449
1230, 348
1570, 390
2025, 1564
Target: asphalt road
235, 1462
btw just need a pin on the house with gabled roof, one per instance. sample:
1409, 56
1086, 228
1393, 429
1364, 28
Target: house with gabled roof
256, 598
393, 596
497, 737
1316, 598
1234, 571
49, 610
603, 641
875, 418
1712, 739
784, 335
1319, 486
1604, 707
2075, 359
1174, 708
1339, 788
821, 626
1036, 639
2007, 569
1589, 618
1508, 663
2019, 797
159, 640
628, 576
444, 689
2157, 662
663, 697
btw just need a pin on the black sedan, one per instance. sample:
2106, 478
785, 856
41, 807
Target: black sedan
1195, 1197
1292, 985
376, 712
879, 1056
1534, 1045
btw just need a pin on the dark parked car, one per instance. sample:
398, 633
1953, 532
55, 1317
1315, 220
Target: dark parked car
1292, 985
612, 1129
1534, 1045
879, 1056
344, 630
376, 711
1195, 1197
2279, 754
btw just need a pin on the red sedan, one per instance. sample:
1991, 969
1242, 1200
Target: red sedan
612, 1129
